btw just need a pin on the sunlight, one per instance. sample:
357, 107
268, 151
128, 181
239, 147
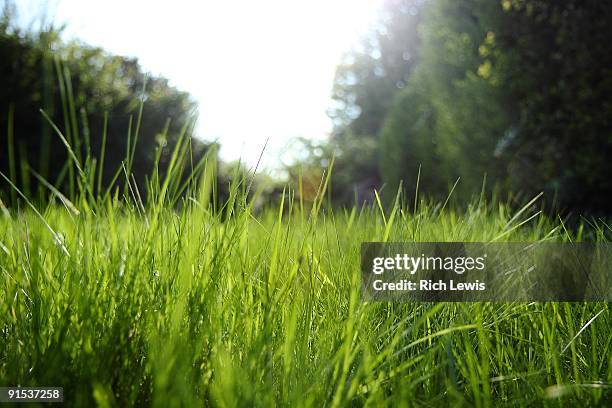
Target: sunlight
258, 70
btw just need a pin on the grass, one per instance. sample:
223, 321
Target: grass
132, 304
177, 301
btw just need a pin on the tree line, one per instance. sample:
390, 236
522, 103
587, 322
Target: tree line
513, 96
115, 117
468, 96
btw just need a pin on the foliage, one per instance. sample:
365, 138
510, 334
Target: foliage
465, 104
364, 87
374, 70
563, 140
355, 155
409, 144
96, 101
514, 93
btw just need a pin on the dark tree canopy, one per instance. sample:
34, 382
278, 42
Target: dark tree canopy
517, 90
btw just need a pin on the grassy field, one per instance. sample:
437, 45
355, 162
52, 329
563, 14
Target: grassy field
129, 304
180, 300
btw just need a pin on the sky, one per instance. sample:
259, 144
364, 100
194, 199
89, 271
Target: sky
259, 70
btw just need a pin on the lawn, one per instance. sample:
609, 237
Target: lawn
123, 303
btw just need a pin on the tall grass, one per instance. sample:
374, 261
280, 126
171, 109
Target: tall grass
176, 300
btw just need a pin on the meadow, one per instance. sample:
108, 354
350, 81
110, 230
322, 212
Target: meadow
181, 301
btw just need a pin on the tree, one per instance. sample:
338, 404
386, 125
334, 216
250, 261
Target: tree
463, 98
409, 146
369, 76
562, 59
83, 90
520, 91
365, 85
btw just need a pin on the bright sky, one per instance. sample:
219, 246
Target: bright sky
258, 69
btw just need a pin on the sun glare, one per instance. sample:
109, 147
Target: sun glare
258, 70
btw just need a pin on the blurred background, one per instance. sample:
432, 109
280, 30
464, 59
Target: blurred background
510, 97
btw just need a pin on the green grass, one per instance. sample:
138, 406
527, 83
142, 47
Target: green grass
122, 304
